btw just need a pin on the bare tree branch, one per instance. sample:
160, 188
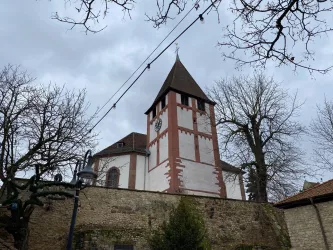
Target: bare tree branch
275, 30
257, 130
42, 129
90, 12
321, 130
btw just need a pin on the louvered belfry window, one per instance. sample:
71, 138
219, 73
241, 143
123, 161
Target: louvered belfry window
113, 178
184, 99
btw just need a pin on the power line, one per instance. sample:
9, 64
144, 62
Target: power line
149, 64
147, 58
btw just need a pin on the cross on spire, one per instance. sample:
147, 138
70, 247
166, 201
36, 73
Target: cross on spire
177, 50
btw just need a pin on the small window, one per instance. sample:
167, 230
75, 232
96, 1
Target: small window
123, 247
201, 105
163, 102
112, 179
154, 112
120, 145
184, 99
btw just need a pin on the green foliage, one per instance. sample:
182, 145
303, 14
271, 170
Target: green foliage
184, 231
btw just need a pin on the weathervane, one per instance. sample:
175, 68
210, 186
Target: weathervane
177, 50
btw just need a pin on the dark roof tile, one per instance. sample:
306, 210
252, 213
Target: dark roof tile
326, 188
134, 142
180, 81
229, 168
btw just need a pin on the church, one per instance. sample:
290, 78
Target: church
179, 153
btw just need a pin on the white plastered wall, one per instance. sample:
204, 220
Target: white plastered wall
232, 185
164, 118
121, 162
186, 145
153, 156
141, 171
184, 118
203, 122
199, 177
164, 147
206, 150
152, 132
159, 178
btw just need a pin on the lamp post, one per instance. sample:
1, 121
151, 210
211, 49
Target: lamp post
84, 175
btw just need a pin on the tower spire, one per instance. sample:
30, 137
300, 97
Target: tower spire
177, 50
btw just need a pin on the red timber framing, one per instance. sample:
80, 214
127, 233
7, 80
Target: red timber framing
195, 130
132, 171
173, 130
223, 192
173, 143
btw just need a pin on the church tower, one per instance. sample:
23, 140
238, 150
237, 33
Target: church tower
182, 140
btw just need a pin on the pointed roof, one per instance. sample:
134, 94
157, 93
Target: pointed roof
133, 142
180, 81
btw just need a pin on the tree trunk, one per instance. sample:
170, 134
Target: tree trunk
261, 181
21, 238
262, 187
19, 228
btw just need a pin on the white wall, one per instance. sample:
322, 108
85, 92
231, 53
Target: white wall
153, 156
184, 118
164, 147
121, 162
140, 171
152, 132
186, 145
164, 118
199, 176
158, 178
203, 122
232, 185
206, 150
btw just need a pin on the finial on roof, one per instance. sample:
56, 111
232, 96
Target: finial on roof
177, 50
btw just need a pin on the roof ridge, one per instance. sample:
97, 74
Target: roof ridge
305, 191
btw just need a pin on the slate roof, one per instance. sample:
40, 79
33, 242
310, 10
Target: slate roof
180, 81
322, 191
230, 168
134, 142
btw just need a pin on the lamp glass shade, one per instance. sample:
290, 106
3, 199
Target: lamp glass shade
87, 172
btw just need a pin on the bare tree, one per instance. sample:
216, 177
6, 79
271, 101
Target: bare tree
257, 130
278, 30
322, 133
89, 12
43, 131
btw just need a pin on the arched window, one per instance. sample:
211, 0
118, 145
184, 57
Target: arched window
112, 178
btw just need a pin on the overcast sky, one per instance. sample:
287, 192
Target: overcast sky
102, 62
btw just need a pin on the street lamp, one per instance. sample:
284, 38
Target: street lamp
84, 176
